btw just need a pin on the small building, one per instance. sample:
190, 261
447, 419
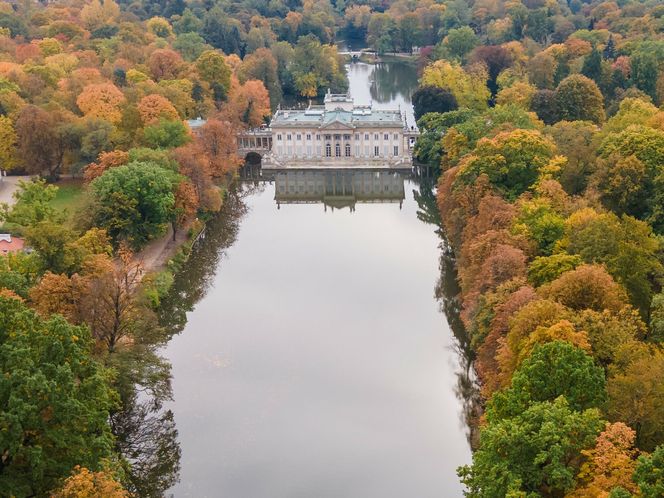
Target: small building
340, 134
9, 244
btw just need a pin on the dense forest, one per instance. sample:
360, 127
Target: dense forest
549, 139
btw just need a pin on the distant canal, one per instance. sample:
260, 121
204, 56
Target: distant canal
314, 356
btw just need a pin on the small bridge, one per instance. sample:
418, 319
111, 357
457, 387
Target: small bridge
256, 141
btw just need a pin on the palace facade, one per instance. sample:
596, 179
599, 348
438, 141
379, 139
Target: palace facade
339, 134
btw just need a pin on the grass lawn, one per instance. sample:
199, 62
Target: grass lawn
69, 197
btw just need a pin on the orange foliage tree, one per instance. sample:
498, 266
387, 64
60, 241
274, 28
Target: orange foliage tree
101, 100
218, 141
83, 483
154, 107
105, 161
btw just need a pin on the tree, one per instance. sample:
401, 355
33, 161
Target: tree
250, 103
54, 401
261, 65
459, 42
165, 64
97, 14
545, 269
43, 140
511, 160
636, 397
212, 67
553, 369
579, 99
195, 165
166, 134
649, 474
469, 90
154, 107
543, 104
432, 99
86, 484
592, 66
218, 141
106, 160
135, 201
587, 287
535, 453
610, 464
102, 101
32, 203
8, 140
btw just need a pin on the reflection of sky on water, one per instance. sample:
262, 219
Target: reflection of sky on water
319, 364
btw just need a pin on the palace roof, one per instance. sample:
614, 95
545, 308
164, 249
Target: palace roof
319, 117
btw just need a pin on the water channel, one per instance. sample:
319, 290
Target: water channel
317, 352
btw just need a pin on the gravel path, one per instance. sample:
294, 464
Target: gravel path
9, 185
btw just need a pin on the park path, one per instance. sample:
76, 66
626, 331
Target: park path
9, 185
157, 253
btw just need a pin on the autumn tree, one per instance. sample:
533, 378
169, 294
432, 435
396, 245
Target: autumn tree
84, 483
511, 160
154, 107
579, 99
54, 401
250, 103
105, 161
102, 100
8, 141
43, 140
212, 67
636, 397
195, 165
610, 464
218, 141
587, 287
99, 13
165, 64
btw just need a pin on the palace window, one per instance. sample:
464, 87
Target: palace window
396, 150
279, 136
396, 136
308, 136
328, 137
299, 137
317, 137
346, 137
376, 151
328, 150
347, 150
337, 136
337, 150
289, 137
386, 137
366, 136
367, 150
357, 136
357, 151
375, 136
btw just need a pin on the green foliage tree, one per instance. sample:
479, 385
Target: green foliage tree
432, 99
649, 474
545, 269
54, 401
553, 369
166, 134
135, 202
459, 42
535, 453
32, 204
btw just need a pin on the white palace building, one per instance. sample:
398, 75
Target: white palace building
339, 134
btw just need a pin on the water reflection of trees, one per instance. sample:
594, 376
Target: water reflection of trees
391, 80
447, 292
194, 281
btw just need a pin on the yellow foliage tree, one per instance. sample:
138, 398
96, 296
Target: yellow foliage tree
8, 139
84, 483
470, 90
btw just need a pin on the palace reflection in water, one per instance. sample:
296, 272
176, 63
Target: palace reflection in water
338, 189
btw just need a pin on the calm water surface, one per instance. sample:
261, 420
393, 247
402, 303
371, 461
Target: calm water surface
315, 357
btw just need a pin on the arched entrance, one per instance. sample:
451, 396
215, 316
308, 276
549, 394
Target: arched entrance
252, 165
